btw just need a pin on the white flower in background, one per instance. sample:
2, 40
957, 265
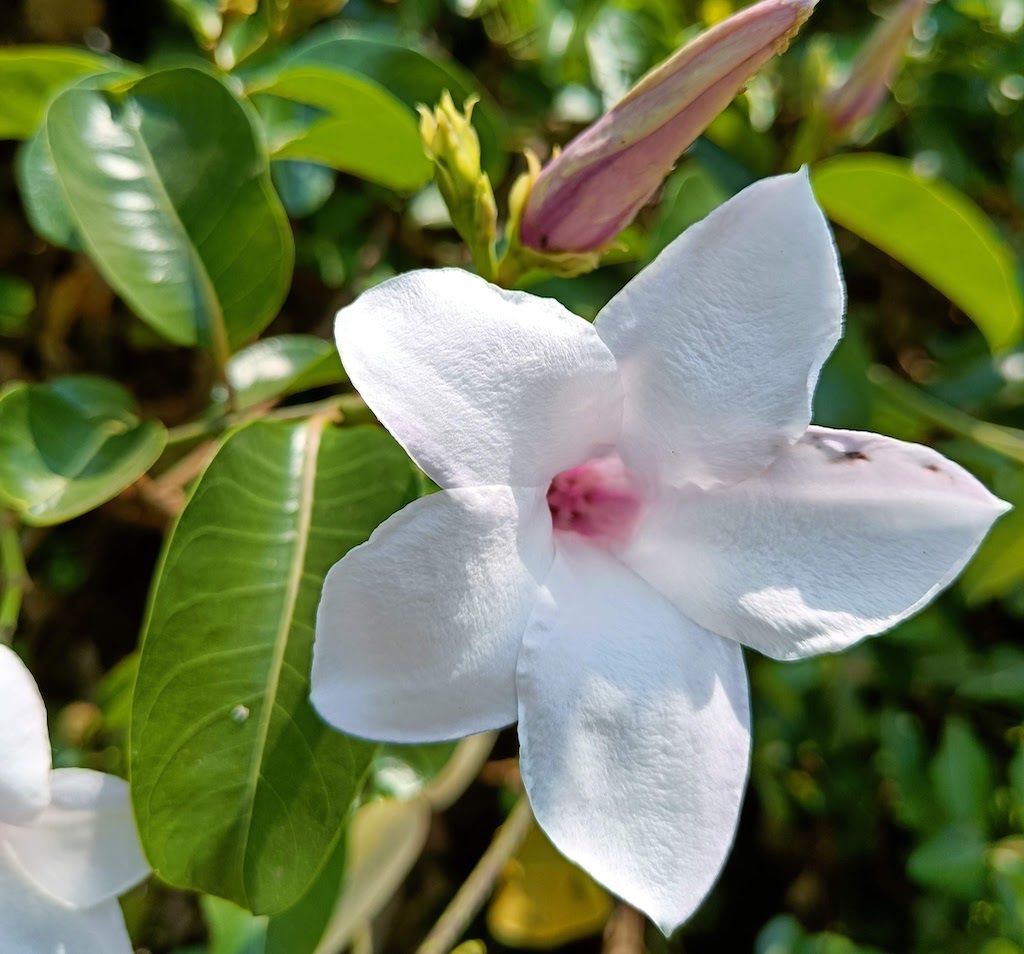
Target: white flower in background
626, 505
68, 845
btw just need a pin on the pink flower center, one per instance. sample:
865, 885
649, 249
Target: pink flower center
600, 499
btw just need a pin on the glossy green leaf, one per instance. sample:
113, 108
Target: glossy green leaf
282, 365
169, 188
933, 229
30, 76
70, 445
46, 208
363, 129
222, 721
414, 78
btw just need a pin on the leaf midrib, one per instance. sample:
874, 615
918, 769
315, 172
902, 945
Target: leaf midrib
315, 428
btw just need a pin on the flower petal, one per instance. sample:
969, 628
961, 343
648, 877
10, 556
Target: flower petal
418, 629
480, 385
844, 536
634, 730
83, 850
720, 340
35, 923
24, 743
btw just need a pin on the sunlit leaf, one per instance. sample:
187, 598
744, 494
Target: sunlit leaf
282, 365
232, 929
933, 229
30, 76
413, 77
364, 130
222, 721
169, 190
545, 901
71, 445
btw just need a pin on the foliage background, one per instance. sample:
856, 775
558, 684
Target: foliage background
887, 799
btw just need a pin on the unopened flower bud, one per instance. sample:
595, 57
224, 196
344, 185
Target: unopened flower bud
863, 90
451, 143
587, 194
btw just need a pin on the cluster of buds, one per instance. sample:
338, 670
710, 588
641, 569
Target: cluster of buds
451, 143
564, 216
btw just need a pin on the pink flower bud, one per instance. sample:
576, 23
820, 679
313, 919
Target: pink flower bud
863, 90
597, 184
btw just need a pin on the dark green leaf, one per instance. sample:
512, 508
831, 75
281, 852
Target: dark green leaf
933, 229
282, 365
299, 929
961, 774
70, 445
17, 299
222, 721
169, 189
303, 186
952, 861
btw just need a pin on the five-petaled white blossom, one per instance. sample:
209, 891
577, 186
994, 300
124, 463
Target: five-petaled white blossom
68, 845
626, 505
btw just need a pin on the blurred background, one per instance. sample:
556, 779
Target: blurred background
886, 805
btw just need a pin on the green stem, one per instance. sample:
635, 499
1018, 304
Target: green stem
1007, 441
474, 891
351, 406
15, 576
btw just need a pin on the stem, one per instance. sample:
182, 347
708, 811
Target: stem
15, 577
474, 891
1008, 441
348, 405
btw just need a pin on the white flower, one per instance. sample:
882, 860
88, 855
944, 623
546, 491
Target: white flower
68, 845
626, 504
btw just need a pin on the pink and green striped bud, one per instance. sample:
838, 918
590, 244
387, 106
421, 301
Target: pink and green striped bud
867, 84
594, 188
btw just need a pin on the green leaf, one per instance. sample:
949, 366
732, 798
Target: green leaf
303, 186
30, 76
401, 771
300, 929
414, 78
961, 774
46, 208
952, 861
70, 445
933, 229
169, 188
364, 130
17, 299
232, 930
282, 365
222, 721
900, 760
